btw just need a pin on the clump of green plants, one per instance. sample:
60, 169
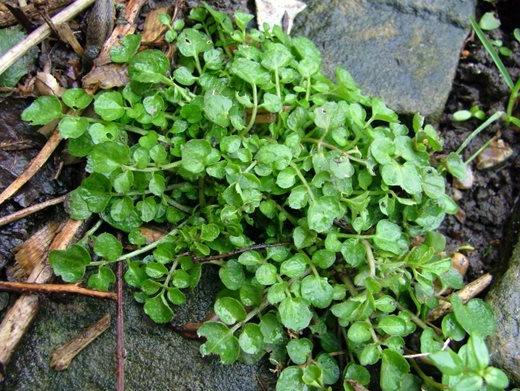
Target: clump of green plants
315, 203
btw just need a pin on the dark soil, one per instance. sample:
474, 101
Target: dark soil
487, 207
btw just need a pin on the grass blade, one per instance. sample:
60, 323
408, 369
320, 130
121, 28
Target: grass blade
493, 53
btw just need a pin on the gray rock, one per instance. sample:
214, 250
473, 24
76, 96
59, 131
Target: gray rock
157, 357
504, 298
405, 51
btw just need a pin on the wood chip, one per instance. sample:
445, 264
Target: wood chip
494, 154
63, 356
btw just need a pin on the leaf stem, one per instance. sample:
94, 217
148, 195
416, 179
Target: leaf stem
427, 379
250, 316
181, 207
255, 109
141, 250
303, 180
277, 81
370, 258
512, 100
483, 126
168, 166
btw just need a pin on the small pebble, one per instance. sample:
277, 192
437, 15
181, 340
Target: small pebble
460, 262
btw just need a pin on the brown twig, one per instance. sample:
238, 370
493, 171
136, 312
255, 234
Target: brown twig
474, 288
30, 210
42, 32
63, 356
18, 318
33, 167
131, 12
31, 10
236, 252
120, 332
30, 287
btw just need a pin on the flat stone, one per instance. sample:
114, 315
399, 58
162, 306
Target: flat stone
404, 51
157, 357
504, 298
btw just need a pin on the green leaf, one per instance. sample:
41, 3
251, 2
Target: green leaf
158, 310
393, 325
220, 341
251, 339
489, 21
276, 155
108, 156
357, 373
330, 115
102, 280
70, 264
72, 127
393, 369
42, 110
388, 236
194, 154
9, 37
232, 275
456, 166
475, 317
291, 380
295, 266
191, 42
250, 71
107, 246
149, 66
109, 105
272, 103
359, 332
324, 259
452, 329
447, 361
126, 50
329, 368
462, 115
266, 274
229, 310
76, 98
299, 350
216, 108
317, 291
321, 214
294, 313
155, 269
496, 378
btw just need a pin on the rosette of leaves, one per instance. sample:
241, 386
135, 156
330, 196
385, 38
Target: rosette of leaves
313, 212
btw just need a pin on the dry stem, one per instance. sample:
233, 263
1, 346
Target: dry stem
33, 167
30, 210
63, 356
42, 32
474, 288
30, 287
18, 318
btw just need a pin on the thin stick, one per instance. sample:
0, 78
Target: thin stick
19, 317
42, 32
30, 210
63, 356
30, 287
30, 10
33, 167
474, 288
120, 332
237, 251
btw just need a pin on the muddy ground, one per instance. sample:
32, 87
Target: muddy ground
488, 206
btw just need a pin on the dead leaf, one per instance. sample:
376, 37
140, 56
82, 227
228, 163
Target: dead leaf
105, 77
153, 30
494, 154
46, 84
